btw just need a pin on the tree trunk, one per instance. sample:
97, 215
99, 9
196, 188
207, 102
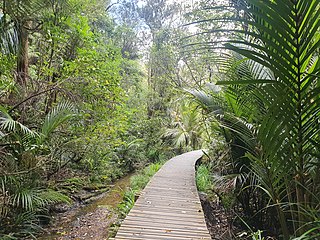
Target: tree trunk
22, 56
22, 74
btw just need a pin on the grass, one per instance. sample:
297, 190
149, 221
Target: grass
139, 181
204, 178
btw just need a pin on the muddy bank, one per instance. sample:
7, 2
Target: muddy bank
219, 220
90, 221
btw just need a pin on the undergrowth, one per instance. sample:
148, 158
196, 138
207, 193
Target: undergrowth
204, 178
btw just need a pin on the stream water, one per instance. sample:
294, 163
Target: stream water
90, 221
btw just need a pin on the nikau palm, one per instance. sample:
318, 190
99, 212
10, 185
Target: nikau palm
23, 199
189, 130
282, 37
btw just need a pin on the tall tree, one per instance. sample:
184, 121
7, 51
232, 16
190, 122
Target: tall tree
158, 16
18, 19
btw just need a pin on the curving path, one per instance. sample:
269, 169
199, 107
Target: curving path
169, 206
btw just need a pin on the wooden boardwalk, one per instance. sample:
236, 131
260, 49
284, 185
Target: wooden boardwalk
169, 206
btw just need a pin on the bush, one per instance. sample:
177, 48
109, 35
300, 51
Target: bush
204, 178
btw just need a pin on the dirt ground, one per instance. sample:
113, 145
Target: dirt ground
219, 220
92, 225
87, 221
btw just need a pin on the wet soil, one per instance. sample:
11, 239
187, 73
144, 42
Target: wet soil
218, 219
91, 221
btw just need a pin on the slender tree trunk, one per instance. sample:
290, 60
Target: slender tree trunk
22, 56
22, 73
52, 97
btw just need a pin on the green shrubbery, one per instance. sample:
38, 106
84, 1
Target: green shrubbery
267, 107
73, 107
204, 178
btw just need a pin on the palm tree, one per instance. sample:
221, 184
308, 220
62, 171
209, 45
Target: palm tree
283, 37
240, 139
23, 197
189, 129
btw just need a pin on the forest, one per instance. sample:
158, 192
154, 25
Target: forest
94, 90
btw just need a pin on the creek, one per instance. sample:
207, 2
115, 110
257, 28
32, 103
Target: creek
91, 221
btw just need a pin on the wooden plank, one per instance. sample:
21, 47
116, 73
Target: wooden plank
161, 225
169, 207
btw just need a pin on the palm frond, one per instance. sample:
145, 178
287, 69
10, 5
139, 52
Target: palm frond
9, 125
208, 101
13, 14
48, 196
282, 50
58, 115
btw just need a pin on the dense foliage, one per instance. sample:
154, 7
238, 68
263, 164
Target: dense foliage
73, 106
268, 108
90, 90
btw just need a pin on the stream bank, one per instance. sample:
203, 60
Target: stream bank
91, 221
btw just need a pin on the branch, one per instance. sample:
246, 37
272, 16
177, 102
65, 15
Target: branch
36, 28
30, 97
111, 5
50, 174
